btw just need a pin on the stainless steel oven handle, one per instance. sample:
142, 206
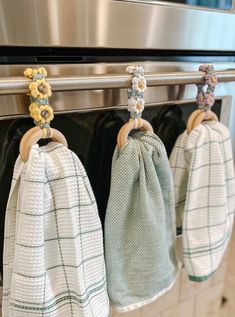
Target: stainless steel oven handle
19, 85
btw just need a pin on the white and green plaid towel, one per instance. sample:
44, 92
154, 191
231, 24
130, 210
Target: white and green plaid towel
140, 226
53, 251
203, 172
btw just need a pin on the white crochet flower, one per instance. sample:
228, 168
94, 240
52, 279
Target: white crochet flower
130, 69
135, 70
135, 105
139, 70
139, 84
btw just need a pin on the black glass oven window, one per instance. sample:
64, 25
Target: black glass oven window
216, 4
92, 136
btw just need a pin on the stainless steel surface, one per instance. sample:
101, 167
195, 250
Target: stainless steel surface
115, 24
17, 85
180, 5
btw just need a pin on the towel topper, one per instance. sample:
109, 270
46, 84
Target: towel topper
204, 99
40, 111
135, 106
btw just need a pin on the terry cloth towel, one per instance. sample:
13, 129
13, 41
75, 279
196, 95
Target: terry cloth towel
203, 171
140, 233
53, 251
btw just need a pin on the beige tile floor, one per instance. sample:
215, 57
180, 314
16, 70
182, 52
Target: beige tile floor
228, 310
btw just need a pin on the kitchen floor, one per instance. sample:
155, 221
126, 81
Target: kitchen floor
228, 309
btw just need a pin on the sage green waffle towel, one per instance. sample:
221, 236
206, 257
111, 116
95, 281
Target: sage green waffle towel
140, 224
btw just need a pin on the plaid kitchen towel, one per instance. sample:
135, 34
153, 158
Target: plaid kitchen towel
140, 233
203, 172
53, 252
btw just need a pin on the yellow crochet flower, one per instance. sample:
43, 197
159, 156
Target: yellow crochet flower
47, 113
33, 106
42, 70
29, 72
40, 89
35, 113
41, 114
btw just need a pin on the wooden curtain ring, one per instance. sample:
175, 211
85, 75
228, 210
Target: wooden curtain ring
204, 115
122, 138
191, 119
26, 136
32, 137
136, 125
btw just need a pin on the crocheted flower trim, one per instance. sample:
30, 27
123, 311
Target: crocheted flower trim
206, 99
41, 114
40, 91
30, 73
139, 84
135, 104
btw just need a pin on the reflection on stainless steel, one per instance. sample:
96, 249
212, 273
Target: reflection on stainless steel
16, 85
192, 4
115, 24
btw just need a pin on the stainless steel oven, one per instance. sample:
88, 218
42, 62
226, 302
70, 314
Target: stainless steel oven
102, 37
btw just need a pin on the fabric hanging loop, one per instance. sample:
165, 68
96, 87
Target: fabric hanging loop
205, 97
40, 91
135, 104
40, 111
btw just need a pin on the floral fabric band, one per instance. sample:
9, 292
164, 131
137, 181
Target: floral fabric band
206, 99
135, 104
40, 91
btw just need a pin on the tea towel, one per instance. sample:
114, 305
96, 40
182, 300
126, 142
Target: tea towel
203, 171
53, 251
140, 233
